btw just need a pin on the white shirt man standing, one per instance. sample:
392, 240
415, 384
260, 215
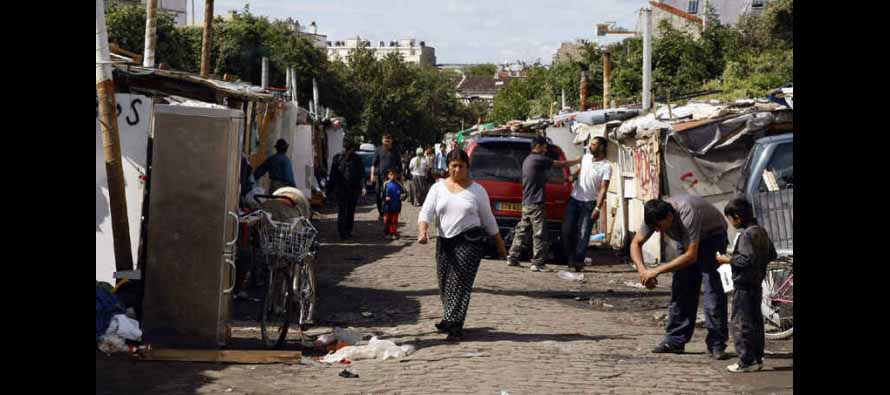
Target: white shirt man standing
588, 197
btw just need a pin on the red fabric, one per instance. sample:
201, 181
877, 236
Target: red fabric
391, 221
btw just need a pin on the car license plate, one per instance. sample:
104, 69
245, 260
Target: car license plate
505, 206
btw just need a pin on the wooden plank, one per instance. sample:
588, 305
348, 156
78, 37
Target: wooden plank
225, 356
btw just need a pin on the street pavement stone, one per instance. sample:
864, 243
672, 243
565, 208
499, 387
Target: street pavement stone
525, 332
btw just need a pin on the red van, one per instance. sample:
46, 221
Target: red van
496, 164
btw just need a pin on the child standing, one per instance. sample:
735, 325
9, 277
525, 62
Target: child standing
392, 204
752, 253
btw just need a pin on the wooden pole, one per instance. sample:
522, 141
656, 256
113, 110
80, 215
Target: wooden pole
208, 38
607, 77
111, 146
582, 105
151, 30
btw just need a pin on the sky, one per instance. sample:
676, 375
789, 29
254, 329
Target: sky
461, 31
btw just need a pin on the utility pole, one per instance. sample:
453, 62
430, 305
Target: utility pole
151, 30
647, 60
563, 99
111, 146
208, 37
607, 77
193, 12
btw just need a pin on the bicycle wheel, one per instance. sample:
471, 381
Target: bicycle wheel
306, 293
778, 301
275, 317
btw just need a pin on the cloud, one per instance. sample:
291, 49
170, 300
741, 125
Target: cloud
460, 30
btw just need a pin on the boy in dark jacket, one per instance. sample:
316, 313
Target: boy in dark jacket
394, 193
752, 253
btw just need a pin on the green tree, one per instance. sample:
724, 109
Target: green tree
482, 70
679, 63
126, 28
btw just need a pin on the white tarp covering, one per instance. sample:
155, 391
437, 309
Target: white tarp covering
335, 143
133, 120
564, 139
299, 139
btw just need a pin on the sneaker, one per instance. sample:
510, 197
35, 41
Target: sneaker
442, 326
719, 355
739, 368
512, 262
588, 261
665, 348
537, 268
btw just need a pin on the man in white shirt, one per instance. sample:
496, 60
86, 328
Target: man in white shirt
419, 168
591, 182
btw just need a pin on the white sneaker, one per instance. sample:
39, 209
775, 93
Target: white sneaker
736, 368
536, 268
588, 261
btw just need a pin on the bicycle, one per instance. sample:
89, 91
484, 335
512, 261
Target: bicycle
778, 299
289, 249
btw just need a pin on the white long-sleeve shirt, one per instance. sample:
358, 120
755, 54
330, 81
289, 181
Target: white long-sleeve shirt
458, 212
419, 166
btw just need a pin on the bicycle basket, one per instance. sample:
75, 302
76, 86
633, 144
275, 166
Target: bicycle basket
286, 239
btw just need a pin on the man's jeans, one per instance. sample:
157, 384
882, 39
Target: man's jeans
685, 290
577, 225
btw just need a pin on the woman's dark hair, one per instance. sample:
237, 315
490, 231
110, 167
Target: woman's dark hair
656, 210
459, 155
741, 209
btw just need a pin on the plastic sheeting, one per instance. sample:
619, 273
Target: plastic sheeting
335, 143
133, 126
564, 139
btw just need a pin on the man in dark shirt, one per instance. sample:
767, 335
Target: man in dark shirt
700, 232
385, 158
279, 167
534, 179
345, 185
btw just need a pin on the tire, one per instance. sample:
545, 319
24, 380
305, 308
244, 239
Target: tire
306, 293
778, 316
275, 316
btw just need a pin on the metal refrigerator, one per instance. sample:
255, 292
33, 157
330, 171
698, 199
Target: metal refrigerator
192, 226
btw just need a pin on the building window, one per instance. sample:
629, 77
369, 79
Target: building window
758, 3
693, 6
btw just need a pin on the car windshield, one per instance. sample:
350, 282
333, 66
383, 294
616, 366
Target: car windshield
502, 161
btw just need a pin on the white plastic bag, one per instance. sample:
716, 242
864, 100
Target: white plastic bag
352, 353
571, 276
125, 327
725, 277
375, 349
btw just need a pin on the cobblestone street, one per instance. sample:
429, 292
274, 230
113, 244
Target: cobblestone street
526, 333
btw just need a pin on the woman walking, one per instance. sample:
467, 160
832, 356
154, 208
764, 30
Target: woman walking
465, 224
